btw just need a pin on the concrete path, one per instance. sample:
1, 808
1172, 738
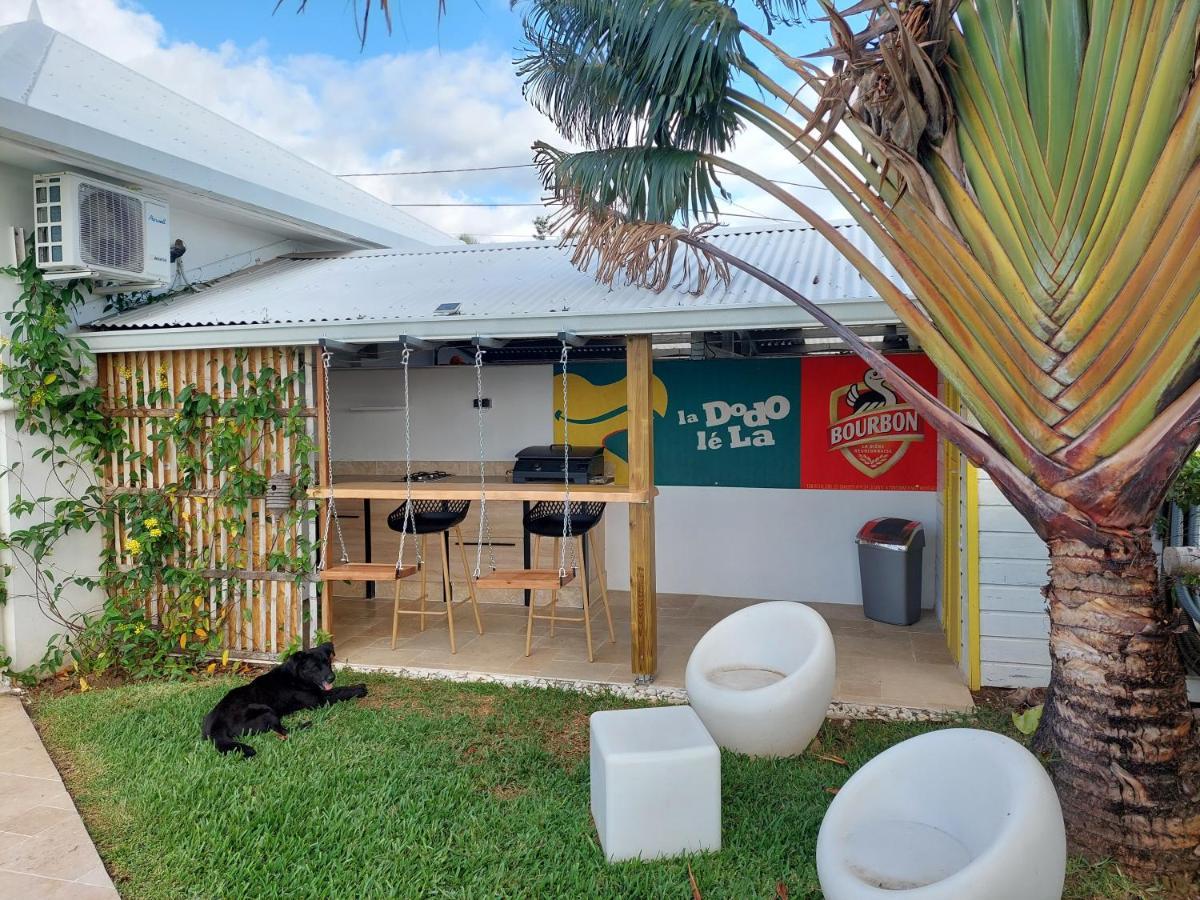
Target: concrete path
45, 852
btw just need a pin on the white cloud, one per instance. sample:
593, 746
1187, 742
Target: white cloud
424, 109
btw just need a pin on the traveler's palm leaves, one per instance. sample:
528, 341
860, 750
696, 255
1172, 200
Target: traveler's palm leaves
1028, 167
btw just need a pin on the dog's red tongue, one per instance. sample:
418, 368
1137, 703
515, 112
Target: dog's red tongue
327, 685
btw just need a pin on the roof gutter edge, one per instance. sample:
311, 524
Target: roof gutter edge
456, 328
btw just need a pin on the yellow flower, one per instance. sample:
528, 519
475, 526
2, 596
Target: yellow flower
125, 372
210, 668
151, 523
138, 629
37, 398
156, 532
134, 546
83, 685
183, 641
201, 633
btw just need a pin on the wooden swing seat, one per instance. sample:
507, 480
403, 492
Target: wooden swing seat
359, 571
525, 579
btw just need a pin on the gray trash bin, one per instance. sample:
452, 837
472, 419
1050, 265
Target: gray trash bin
889, 559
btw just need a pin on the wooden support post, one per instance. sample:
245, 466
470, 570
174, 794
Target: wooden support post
642, 599
320, 402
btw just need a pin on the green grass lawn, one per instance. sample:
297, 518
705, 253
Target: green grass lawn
424, 789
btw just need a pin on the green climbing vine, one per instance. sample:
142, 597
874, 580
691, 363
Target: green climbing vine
183, 517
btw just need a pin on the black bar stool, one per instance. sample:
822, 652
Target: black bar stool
545, 519
435, 517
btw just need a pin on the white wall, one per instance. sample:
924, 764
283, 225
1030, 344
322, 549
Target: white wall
1014, 627
217, 247
444, 421
770, 544
726, 542
26, 627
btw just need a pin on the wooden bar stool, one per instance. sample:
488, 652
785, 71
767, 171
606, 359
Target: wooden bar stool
545, 520
435, 517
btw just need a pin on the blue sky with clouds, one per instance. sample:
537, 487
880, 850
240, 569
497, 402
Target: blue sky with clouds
428, 95
328, 26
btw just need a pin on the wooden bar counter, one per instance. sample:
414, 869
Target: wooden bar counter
461, 487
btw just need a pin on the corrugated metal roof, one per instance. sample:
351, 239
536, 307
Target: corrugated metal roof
495, 282
57, 91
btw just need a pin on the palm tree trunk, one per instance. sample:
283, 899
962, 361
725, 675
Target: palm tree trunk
1124, 749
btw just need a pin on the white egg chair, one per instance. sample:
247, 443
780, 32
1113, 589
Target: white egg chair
945, 816
761, 679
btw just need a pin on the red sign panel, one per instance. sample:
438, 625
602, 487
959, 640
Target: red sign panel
857, 431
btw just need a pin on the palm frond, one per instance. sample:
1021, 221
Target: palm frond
644, 184
782, 12
651, 255
633, 72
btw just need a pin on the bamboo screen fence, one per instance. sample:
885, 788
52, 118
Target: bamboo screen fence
265, 609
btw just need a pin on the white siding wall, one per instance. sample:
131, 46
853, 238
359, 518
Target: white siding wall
1013, 625
725, 542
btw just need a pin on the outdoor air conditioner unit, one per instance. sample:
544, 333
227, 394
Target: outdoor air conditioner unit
87, 228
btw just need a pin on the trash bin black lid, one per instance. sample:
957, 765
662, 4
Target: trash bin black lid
896, 532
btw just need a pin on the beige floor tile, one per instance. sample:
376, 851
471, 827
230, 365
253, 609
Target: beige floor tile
28, 761
12, 714
940, 656
96, 877
858, 692
434, 637
33, 887
373, 656
877, 663
31, 818
44, 846
935, 642
62, 851
9, 840
19, 795
875, 647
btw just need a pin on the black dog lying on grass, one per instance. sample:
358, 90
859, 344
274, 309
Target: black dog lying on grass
304, 681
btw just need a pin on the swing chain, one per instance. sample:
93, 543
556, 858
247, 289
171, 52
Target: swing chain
331, 515
484, 525
409, 513
567, 536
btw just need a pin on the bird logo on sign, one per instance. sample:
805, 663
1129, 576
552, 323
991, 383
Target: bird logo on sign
870, 425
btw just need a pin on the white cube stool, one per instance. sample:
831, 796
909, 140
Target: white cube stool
656, 783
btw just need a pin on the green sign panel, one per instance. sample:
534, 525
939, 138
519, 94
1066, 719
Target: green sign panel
723, 422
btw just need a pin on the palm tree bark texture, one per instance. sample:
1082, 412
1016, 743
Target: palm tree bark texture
1029, 168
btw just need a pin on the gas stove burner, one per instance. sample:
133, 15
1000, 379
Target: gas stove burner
428, 476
